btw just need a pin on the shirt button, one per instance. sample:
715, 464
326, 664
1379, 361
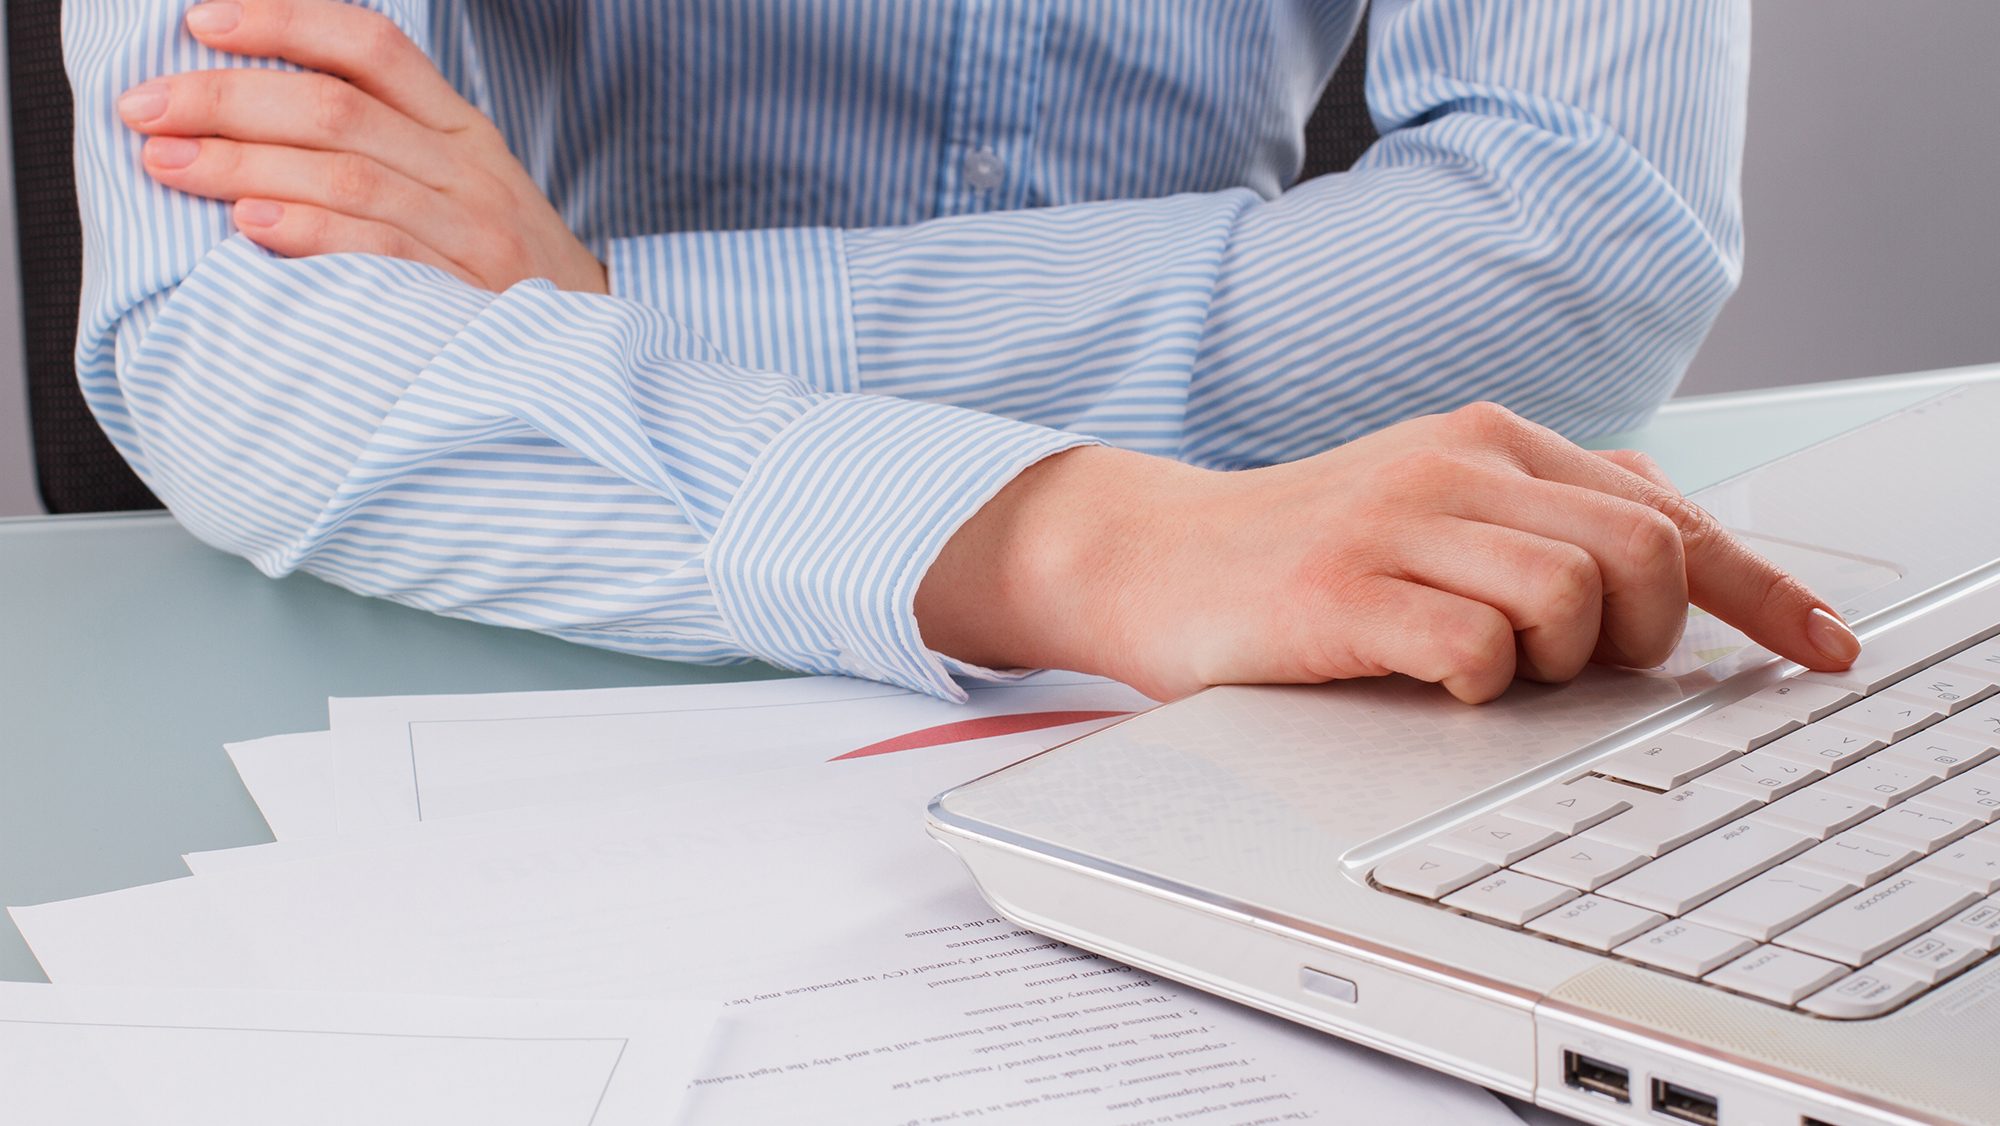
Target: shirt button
984, 170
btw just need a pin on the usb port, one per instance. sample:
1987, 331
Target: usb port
1597, 1077
1686, 1104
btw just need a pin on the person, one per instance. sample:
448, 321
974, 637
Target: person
904, 340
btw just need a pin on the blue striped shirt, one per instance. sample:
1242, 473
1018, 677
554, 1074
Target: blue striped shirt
871, 258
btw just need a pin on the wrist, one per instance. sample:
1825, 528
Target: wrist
1051, 571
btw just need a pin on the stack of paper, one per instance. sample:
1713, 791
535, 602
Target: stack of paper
757, 845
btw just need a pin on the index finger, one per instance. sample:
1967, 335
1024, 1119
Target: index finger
366, 48
1725, 577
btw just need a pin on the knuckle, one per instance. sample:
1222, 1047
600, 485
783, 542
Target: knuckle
1641, 464
353, 181
278, 17
1479, 643
500, 259
1654, 545
1571, 586
204, 93
378, 37
1487, 421
337, 107
1695, 525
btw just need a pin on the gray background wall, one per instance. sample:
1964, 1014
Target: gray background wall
1871, 194
1871, 186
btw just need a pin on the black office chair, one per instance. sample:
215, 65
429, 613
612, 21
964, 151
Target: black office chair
76, 466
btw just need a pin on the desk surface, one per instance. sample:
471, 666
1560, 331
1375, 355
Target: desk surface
134, 652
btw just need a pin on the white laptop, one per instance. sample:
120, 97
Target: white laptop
1725, 891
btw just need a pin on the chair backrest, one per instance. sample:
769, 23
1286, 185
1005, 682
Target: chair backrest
1340, 129
75, 465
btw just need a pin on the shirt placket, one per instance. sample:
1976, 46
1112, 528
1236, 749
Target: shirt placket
996, 72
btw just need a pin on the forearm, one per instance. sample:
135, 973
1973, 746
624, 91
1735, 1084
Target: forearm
1550, 220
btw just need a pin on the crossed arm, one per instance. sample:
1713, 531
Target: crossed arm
1464, 548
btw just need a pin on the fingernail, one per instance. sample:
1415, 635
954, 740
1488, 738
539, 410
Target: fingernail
259, 213
214, 18
171, 152
1831, 637
144, 102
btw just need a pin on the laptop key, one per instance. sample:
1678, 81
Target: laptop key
1867, 993
1819, 812
1976, 793
1970, 863
1920, 825
1707, 866
1670, 820
1944, 688
1892, 656
1773, 902
1665, 761
1597, 922
1685, 948
1500, 840
1828, 748
1763, 776
1889, 717
1429, 871
1892, 780
1740, 727
1858, 857
1571, 808
1581, 863
1983, 658
1942, 751
1934, 956
1774, 973
1874, 920
1804, 702
1978, 924
1509, 897
1981, 722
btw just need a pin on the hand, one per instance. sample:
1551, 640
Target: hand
1462, 549
375, 154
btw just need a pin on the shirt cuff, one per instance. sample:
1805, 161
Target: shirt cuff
816, 563
775, 300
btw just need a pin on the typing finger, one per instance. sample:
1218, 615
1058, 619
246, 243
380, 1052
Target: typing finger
310, 111
1724, 577
1549, 589
365, 48
300, 230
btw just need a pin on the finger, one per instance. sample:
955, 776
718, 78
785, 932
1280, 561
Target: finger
301, 230
1429, 634
365, 48
1632, 461
1548, 589
341, 182
1636, 549
309, 111
1724, 577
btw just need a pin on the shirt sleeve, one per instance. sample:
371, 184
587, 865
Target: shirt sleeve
591, 467
1550, 220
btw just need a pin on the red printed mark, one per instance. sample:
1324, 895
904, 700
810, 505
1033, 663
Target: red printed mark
966, 730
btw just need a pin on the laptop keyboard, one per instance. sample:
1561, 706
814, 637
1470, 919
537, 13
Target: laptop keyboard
1828, 844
